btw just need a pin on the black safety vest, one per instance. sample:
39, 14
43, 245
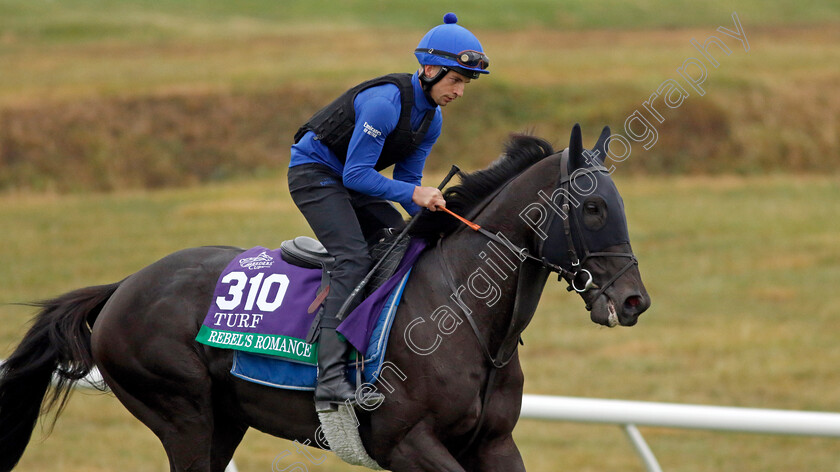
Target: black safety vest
333, 125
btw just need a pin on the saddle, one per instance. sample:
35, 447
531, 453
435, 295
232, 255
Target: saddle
309, 253
306, 252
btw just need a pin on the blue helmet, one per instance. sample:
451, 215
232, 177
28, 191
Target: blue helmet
453, 47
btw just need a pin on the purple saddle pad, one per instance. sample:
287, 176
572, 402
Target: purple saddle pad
263, 304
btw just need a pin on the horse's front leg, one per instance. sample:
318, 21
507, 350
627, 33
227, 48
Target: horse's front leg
497, 455
421, 451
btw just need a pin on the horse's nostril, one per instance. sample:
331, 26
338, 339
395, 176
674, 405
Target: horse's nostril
633, 303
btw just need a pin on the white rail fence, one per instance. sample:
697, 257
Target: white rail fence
630, 414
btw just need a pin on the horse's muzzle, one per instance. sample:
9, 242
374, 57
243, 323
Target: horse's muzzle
605, 311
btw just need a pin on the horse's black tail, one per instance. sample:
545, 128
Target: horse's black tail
58, 342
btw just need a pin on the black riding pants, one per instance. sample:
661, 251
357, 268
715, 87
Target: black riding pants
343, 220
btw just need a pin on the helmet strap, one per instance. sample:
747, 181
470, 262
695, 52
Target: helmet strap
429, 82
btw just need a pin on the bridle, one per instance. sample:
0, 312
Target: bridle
579, 279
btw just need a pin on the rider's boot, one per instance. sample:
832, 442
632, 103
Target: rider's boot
333, 387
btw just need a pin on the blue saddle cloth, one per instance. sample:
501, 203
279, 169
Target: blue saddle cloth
280, 373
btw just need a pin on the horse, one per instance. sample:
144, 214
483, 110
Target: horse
453, 389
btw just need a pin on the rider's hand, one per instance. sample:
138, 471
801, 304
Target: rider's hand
428, 197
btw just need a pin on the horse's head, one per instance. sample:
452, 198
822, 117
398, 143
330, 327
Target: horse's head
587, 237
579, 230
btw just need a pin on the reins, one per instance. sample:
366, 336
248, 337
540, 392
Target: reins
485, 347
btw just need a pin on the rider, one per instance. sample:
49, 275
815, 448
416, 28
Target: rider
334, 179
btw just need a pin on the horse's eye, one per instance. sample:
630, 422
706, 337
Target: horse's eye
594, 213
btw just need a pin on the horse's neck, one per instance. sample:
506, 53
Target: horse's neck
484, 272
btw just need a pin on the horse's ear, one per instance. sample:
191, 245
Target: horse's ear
576, 147
602, 146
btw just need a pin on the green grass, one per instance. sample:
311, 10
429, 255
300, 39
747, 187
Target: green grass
742, 273
147, 19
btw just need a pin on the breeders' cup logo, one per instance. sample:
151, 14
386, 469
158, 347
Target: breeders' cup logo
257, 262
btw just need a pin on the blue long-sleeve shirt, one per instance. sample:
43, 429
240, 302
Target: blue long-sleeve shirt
377, 112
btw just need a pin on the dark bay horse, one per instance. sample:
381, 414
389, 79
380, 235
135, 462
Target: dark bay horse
453, 388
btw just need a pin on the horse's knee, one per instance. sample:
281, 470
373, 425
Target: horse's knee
421, 451
497, 455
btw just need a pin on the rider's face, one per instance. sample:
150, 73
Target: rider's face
450, 87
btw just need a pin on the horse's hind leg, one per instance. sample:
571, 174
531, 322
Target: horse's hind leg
180, 416
227, 434
160, 379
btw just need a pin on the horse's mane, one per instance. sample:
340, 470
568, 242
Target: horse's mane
521, 152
